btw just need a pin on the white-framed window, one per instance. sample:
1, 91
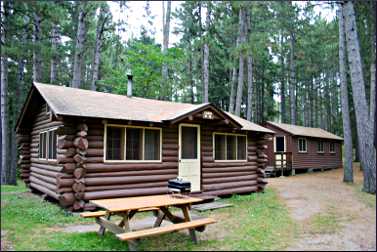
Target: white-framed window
279, 144
132, 143
302, 145
228, 146
48, 144
332, 147
320, 147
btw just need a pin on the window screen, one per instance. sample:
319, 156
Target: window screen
43, 145
280, 144
320, 147
332, 147
220, 147
302, 145
241, 147
114, 143
134, 144
52, 144
231, 147
152, 144
189, 142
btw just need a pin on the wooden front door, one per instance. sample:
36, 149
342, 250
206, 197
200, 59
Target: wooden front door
189, 154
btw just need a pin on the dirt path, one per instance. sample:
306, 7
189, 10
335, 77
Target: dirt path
330, 214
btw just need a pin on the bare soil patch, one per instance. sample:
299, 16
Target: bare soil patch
331, 214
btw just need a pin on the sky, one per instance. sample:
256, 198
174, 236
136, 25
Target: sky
134, 17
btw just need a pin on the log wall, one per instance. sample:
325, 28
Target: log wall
80, 174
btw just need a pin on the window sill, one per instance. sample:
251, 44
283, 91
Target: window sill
303, 152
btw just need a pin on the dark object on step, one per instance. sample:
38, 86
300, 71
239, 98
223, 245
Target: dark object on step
178, 185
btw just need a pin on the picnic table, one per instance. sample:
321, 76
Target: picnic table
158, 204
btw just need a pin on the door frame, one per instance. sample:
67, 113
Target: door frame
198, 148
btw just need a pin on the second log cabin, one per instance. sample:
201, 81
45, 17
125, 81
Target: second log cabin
78, 145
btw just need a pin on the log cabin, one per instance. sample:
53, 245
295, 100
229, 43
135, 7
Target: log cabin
301, 148
77, 145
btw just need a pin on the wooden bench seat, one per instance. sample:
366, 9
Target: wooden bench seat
103, 213
166, 229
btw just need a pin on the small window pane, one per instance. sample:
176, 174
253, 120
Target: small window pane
52, 144
189, 142
152, 144
114, 143
42, 145
241, 152
332, 147
279, 144
320, 147
231, 147
219, 147
134, 143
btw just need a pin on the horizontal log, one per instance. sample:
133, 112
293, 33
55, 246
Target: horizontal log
69, 167
54, 168
48, 173
112, 167
230, 179
69, 152
65, 130
262, 160
173, 153
223, 186
125, 186
170, 159
230, 169
44, 190
47, 125
132, 173
48, 179
62, 159
124, 193
95, 138
94, 152
64, 143
95, 144
227, 164
252, 158
229, 191
170, 146
207, 158
126, 179
94, 160
62, 190
95, 132
64, 182
169, 140
45, 184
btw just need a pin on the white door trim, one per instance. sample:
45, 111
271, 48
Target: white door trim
196, 161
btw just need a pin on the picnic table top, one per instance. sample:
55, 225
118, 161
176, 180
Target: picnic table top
134, 203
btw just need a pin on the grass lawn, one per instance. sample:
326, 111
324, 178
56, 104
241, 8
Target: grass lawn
256, 222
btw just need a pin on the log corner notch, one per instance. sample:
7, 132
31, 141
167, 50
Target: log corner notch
23, 143
81, 144
262, 160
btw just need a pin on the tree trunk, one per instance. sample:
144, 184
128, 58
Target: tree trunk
54, 44
347, 163
4, 92
282, 84
191, 80
165, 46
79, 49
292, 84
241, 62
249, 70
37, 62
206, 55
97, 50
364, 126
232, 90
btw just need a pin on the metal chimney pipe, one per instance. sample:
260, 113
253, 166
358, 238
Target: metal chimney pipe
129, 85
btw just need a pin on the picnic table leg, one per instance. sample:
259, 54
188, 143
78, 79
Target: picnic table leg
102, 229
160, 217
187, 216
132, 245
